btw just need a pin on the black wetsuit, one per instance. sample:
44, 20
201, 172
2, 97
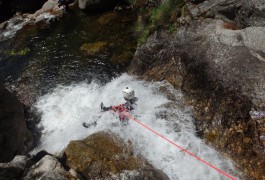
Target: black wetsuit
128, 105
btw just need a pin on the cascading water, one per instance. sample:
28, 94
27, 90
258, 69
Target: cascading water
55, 58
66, 107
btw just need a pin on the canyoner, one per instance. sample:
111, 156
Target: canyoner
124, 113
67, 107
130, 104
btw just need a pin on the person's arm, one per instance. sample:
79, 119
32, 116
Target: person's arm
103, 108
128, 106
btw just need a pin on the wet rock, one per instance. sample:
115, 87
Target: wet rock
233, 58
243, 13
222, 74
95, 48
141, 174
97, 5
54, 7
49, 6
49, 168
107, 18
33, 22
104, 155
15, 138
20, 25
125, 56
13, 169
3, 26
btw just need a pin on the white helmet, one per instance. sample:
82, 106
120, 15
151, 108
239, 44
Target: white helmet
128, 93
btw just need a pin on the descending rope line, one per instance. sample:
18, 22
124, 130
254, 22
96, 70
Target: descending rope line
184, 150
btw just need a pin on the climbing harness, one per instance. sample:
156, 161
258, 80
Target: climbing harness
120, 110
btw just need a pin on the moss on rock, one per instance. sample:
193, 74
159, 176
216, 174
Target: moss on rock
103, 154
95, 48
124, 57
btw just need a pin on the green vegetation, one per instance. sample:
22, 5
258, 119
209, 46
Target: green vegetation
13, 52
163, 16
166, 13
172, 28
143, 36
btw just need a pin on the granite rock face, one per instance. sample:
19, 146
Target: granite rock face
14, 135
242, 13
221, 71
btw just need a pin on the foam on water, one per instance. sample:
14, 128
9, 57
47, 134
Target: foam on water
17, 23
64, 110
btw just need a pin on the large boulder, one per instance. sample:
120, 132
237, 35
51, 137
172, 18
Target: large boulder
222, 73
104, 155
234, 58
41, 166
49, 168
13, 169
14, 136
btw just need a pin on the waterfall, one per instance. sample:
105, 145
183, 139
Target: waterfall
159, 106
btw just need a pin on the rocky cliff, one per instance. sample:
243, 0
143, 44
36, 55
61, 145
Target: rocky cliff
14, 136
217, 57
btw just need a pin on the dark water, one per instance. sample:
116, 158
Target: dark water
50, 56
41, 57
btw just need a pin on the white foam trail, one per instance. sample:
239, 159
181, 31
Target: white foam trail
64, 110
44, 16
18, 22
14, 26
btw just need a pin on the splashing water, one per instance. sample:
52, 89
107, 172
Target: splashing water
64, 110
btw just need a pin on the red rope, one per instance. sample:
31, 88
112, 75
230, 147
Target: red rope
184, 150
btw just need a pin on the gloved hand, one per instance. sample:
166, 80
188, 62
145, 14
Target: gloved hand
103, 108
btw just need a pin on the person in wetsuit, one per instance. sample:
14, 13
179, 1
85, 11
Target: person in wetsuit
121, 109
129, 105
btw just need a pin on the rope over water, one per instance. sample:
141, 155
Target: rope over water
178, 146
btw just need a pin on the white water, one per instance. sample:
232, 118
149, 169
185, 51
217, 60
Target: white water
64, 110
18, 22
